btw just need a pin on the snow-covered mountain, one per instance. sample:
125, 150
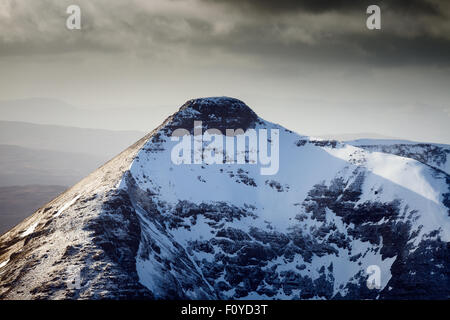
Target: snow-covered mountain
143, 226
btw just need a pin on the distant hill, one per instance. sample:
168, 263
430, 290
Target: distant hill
18, 202
22, 166
56, 112
105, 143
354, 136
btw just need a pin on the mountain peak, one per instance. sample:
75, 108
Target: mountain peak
214, 112
214, 103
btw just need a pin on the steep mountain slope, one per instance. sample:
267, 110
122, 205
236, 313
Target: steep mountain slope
142, 226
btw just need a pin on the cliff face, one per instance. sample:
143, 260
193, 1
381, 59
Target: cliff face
142, 226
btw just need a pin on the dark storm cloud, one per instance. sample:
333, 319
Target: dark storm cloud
414, 32
379, 50
393, 50
320, 6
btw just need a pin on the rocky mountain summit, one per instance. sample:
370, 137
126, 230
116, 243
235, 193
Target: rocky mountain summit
144, 227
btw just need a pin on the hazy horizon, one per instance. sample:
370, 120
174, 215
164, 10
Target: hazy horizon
113, 120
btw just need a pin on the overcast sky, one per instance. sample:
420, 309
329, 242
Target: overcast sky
310, 65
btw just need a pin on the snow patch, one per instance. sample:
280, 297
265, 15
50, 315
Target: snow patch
30, 229
66, 205
4, 263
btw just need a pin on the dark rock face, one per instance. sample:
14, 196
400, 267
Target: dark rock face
341, 198
422, 274
446, 196
219, 113
117, 233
